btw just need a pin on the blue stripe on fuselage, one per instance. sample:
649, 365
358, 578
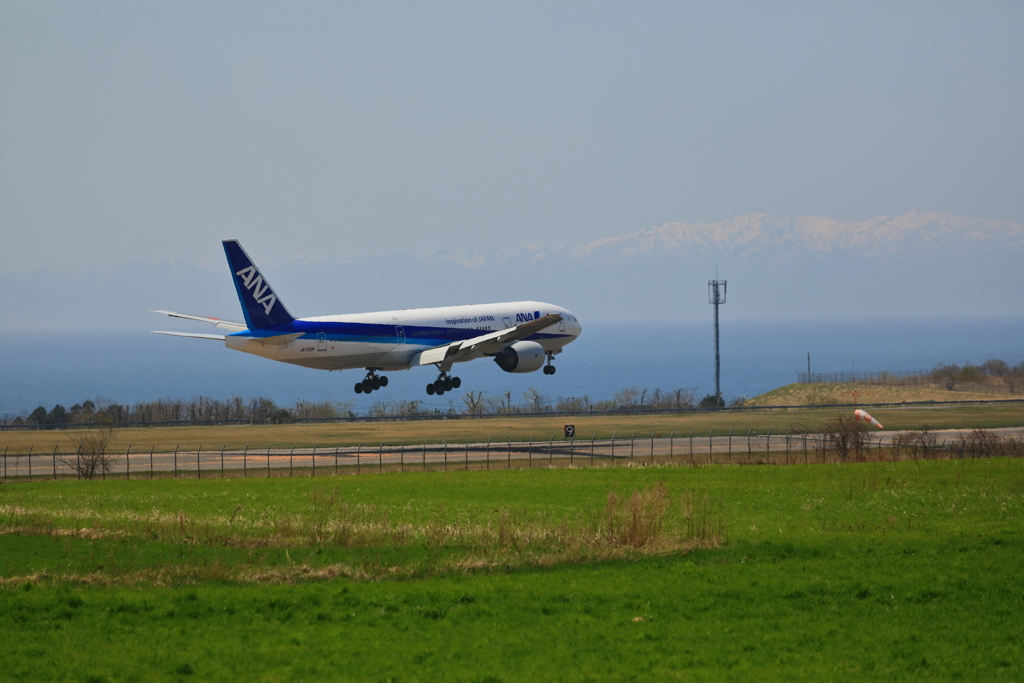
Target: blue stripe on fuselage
379, 333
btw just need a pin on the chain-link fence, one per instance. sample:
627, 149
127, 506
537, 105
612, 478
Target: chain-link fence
735, 446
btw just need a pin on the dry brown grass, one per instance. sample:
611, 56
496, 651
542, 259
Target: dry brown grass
851, 394
644, 522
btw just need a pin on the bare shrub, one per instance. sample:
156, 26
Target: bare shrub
982, 444
901, 444
90, 457
844, 435
922, 441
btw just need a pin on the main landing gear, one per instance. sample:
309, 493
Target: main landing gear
372, 382
442, 384
549, 369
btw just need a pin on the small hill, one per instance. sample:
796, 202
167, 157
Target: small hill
835, 394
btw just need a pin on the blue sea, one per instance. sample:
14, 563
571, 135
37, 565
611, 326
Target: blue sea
757, 356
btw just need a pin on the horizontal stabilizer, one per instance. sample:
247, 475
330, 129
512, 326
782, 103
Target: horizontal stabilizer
218, 337
216, 322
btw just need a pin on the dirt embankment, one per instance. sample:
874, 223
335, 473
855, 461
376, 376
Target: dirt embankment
832, 394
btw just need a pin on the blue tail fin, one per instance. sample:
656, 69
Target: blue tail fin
260, 305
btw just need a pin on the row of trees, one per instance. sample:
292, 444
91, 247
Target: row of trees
262, 409
199, 409
991, 370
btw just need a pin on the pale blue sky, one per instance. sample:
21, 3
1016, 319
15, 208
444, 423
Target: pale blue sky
150, 131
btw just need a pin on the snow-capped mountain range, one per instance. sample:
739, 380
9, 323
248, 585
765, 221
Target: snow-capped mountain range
913, 233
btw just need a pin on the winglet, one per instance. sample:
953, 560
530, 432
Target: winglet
260, 305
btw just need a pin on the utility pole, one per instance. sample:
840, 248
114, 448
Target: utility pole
716, 296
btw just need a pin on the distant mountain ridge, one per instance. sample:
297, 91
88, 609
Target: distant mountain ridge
913, 233
915, 264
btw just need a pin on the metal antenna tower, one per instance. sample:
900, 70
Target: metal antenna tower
716, 296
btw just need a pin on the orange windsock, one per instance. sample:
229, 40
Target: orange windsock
863, 415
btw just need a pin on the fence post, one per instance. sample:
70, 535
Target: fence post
805, 446
245, 461
30, 462
671, 445
380, 457
268, 459
510, 452
631, 438
749, 452
424, 455
359, 450
710, 447
291, 461
572, 445
691, 444
401, 458
530, 455
446, 455
787, 446
592, 449
336, 447
176, 460
314, 462
730, 444
5, 462
199, 450
103, 459
223, 446
652, 446
487, 451
613, 443
467, 455
54, 457
151, 449
768, 447
551, 446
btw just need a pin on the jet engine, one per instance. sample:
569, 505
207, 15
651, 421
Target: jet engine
523, 356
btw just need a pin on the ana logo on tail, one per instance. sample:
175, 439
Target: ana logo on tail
252, 280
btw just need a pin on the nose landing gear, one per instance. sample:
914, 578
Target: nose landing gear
372, 382
442, 384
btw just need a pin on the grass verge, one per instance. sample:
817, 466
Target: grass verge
856, 572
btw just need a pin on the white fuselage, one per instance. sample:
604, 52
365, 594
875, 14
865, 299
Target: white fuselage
389, 340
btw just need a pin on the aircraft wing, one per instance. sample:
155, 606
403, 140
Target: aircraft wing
492, 342
216, 322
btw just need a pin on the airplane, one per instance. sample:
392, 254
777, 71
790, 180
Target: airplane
520, 336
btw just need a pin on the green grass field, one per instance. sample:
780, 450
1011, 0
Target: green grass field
877, 571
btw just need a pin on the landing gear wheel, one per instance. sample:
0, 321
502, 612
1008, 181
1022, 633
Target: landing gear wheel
371, 382
456, 382
431, 389
448, 384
